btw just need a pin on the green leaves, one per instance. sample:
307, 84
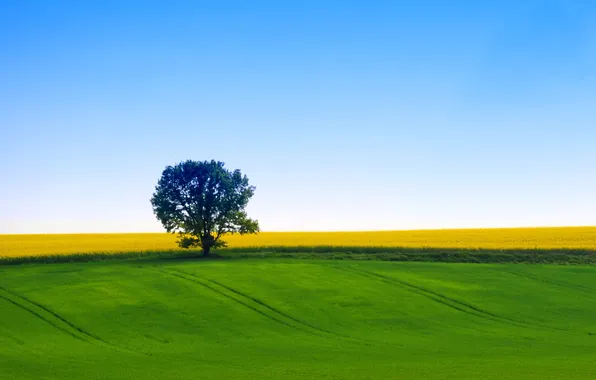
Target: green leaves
202, 201
187, 241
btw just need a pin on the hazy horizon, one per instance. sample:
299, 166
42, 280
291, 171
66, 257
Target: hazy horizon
312, 231
346, 116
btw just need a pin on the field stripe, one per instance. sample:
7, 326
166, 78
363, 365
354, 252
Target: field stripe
54, 319
8, 335
272, 313
448, 301
188, 277
277, 311
410, 288
548, 281
39, 315
271, 308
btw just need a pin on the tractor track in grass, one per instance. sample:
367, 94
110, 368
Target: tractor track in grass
455, 304
548, 281
249, 301
39, 316
206, 285
7, 335
55, 320
275, 310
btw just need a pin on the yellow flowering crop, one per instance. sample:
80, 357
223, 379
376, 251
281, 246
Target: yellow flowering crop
542, 238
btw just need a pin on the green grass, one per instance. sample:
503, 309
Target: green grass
426, 254
296, 319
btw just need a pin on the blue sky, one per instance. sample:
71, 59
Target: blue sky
346, 115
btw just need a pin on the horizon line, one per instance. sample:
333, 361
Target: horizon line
317, 231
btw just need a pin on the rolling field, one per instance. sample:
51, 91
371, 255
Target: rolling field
503, 238
288, 319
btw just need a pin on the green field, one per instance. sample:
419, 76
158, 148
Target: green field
297, 319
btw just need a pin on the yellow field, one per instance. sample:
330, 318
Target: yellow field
564, 237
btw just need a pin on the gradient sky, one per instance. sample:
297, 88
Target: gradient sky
346, 115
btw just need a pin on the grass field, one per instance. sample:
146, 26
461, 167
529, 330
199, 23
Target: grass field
504, 238
279, 319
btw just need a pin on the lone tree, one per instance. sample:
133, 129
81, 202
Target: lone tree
201, 202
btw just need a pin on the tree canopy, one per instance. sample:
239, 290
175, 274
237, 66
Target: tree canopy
201, 201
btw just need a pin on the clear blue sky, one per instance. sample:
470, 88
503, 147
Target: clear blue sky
346, 115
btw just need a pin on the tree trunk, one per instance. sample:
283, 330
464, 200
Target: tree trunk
207, 242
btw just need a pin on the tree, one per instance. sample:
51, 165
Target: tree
201, 202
